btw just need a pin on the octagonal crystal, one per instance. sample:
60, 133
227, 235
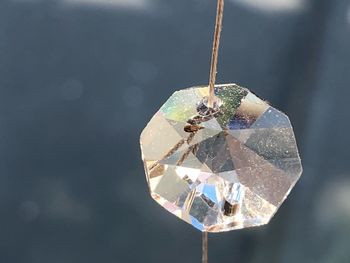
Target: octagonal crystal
224, 168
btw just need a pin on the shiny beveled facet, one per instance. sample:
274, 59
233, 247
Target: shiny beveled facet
229, 171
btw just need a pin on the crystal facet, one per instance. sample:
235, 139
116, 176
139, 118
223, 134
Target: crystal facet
224, 168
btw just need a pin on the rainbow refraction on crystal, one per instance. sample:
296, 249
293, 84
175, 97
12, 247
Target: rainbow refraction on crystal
221, 170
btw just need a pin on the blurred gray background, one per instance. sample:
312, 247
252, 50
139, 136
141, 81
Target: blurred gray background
79, 79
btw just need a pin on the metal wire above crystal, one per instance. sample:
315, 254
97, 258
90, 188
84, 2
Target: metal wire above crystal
215, 52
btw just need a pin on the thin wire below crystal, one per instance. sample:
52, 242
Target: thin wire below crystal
205, 247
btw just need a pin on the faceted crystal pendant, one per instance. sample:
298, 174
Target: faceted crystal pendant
224, 168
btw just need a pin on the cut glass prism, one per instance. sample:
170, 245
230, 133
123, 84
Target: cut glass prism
220, 169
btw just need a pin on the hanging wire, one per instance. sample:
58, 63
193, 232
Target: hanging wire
215, 52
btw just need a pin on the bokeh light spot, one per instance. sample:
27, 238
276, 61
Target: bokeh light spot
72, 90
274, 5
333, 204
29, 211
143, 72
127, 4
133, 97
